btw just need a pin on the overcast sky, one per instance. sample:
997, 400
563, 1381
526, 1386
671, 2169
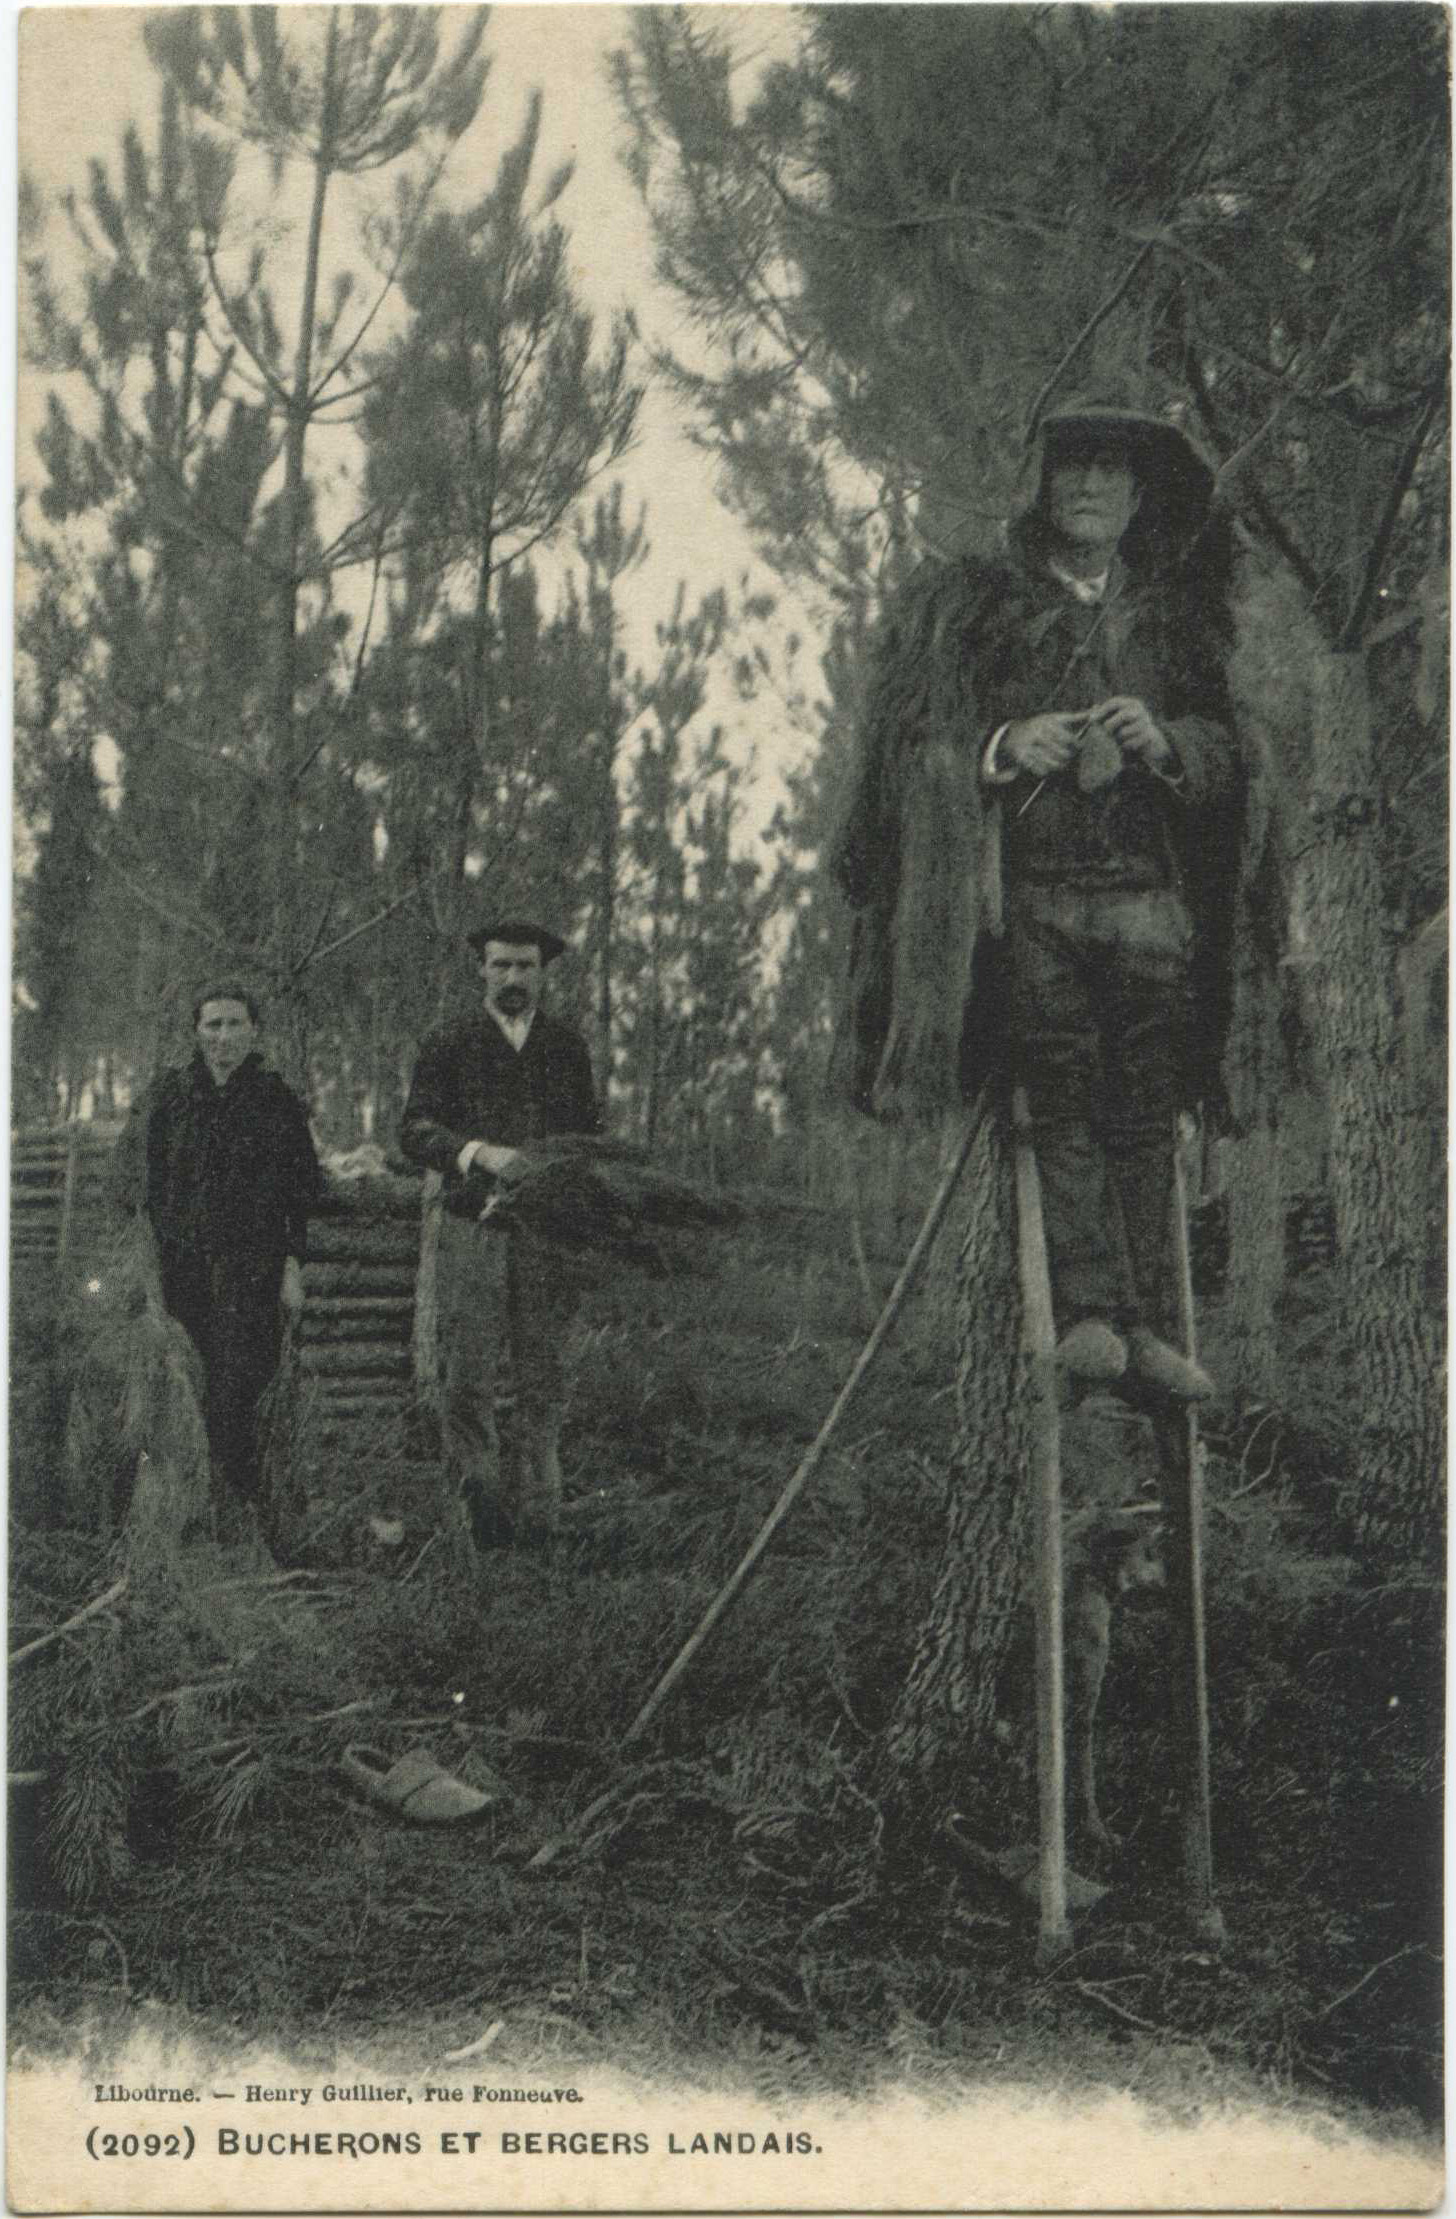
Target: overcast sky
84, 74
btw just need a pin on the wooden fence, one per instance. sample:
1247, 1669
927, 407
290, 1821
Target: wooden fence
58, 1199
360, 1267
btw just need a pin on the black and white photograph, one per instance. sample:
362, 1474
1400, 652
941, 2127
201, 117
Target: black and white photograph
728, 1093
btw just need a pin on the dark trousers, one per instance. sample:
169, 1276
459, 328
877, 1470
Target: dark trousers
507, 1309
1099, 1011
229, 1305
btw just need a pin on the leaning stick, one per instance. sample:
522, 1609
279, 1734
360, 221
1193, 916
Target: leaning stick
69, 1625
1046, 1477
884, 1325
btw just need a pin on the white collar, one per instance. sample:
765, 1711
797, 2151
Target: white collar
516, 1029
1083, 589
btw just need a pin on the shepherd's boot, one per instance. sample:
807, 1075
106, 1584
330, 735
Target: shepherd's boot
1165, 1375
1092, 1353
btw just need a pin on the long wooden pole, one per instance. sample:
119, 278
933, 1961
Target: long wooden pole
884, 1325
1046, 1479
1183, 1467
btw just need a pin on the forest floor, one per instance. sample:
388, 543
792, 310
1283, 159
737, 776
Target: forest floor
751, 1899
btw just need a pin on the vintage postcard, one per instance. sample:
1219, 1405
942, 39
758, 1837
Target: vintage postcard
728, 1092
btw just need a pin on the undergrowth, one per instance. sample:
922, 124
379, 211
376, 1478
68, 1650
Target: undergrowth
749, 1890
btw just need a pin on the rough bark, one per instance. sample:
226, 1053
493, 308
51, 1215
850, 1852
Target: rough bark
1389, 1340
1248, 1356
946, 1714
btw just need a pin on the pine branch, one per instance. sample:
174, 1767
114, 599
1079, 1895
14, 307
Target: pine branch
69, 1625
273, 384
1097, 318
1350, 632
173, 916
1270, 522
408, 234
370, 924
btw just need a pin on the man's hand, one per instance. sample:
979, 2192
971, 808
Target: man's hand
487, 1155
1041, 745
290, 1294
1131, 724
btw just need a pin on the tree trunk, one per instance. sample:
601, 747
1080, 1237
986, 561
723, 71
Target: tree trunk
1249, 1351
300, 408
945, 1718
606, 913
1388, 1339
654, 1026
288, 1027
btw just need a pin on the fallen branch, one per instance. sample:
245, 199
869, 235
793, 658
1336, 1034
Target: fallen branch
1411, 1949
278, 1729
557, 1846
79, 1618
215, 1686
1118, 2010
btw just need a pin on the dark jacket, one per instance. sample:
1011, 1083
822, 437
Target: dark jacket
471, 1084
971, 645
221, 1172
1043, 649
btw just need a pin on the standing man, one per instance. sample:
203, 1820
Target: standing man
482, 1087
219, 1160
1050, 797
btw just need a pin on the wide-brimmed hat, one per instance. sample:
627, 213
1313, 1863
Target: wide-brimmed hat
517, 933
1176, 480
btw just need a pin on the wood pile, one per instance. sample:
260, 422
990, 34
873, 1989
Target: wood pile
58, 1193
361, 1273
359, 1287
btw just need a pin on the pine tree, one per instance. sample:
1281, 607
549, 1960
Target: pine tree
491, 413
908, 238
337, 96
140, 616
611, 550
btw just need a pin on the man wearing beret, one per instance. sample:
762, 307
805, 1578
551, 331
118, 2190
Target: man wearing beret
483, 1086
1050, 798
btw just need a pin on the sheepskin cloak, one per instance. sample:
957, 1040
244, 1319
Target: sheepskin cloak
919, 855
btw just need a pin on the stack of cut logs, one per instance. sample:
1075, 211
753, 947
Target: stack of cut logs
359, 1272
58, 1193
363, 1269
359, 1284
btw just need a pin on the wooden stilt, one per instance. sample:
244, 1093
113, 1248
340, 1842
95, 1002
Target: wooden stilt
1046, 1475
1183, 1495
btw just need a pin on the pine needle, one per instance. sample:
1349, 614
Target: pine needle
582, 1193
137, 1403
77, 1618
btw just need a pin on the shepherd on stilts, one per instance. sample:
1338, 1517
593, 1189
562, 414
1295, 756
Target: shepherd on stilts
1053, 848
